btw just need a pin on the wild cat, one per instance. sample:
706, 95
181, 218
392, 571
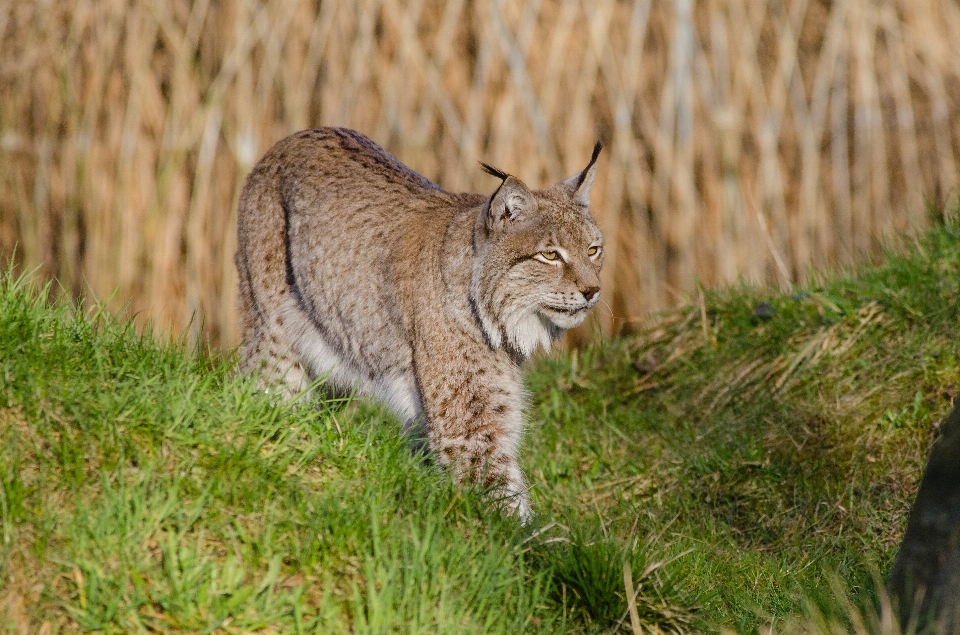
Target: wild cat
354, 267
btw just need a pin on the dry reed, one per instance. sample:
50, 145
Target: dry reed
745, 139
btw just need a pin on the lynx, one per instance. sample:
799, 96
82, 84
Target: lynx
355, 268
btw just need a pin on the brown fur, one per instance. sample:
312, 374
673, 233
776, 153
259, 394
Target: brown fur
353, 266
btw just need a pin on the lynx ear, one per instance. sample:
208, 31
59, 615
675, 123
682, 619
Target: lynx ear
511, 202
578, 185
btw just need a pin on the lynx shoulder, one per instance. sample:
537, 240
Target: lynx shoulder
354, 267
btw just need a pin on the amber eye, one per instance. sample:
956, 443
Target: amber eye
550, 255
593, 251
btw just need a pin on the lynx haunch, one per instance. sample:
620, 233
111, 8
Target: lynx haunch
354, 267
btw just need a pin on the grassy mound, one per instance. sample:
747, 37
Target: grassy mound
775, 439
726, 465
146, 489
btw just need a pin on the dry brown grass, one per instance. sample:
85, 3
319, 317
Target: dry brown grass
745, 139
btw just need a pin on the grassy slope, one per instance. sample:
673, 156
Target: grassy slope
776, 447
145, 488
733, 460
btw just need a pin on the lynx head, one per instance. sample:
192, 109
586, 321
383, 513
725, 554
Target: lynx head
537, 258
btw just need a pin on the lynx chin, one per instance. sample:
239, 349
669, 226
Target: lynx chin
354, 267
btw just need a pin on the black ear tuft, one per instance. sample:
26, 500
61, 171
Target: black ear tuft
593, 159
492, 171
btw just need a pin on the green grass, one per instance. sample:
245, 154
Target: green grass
740, 461
144, 488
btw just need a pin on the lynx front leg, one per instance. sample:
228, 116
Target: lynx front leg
474, 421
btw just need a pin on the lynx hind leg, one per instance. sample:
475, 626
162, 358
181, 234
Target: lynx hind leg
266, 353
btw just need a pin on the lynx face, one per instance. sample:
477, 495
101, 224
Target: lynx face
537, 262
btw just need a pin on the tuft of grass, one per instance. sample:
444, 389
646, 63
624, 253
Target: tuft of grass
599, 578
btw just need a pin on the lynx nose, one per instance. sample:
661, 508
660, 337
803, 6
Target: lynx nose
589, 292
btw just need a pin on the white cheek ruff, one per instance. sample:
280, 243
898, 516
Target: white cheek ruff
528, 331
565, 321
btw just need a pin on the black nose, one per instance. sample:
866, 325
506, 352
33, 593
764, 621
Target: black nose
589, 292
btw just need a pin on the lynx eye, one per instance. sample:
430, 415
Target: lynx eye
593, 251
555, 257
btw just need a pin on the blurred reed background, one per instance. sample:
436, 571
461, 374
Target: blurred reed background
745, 138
